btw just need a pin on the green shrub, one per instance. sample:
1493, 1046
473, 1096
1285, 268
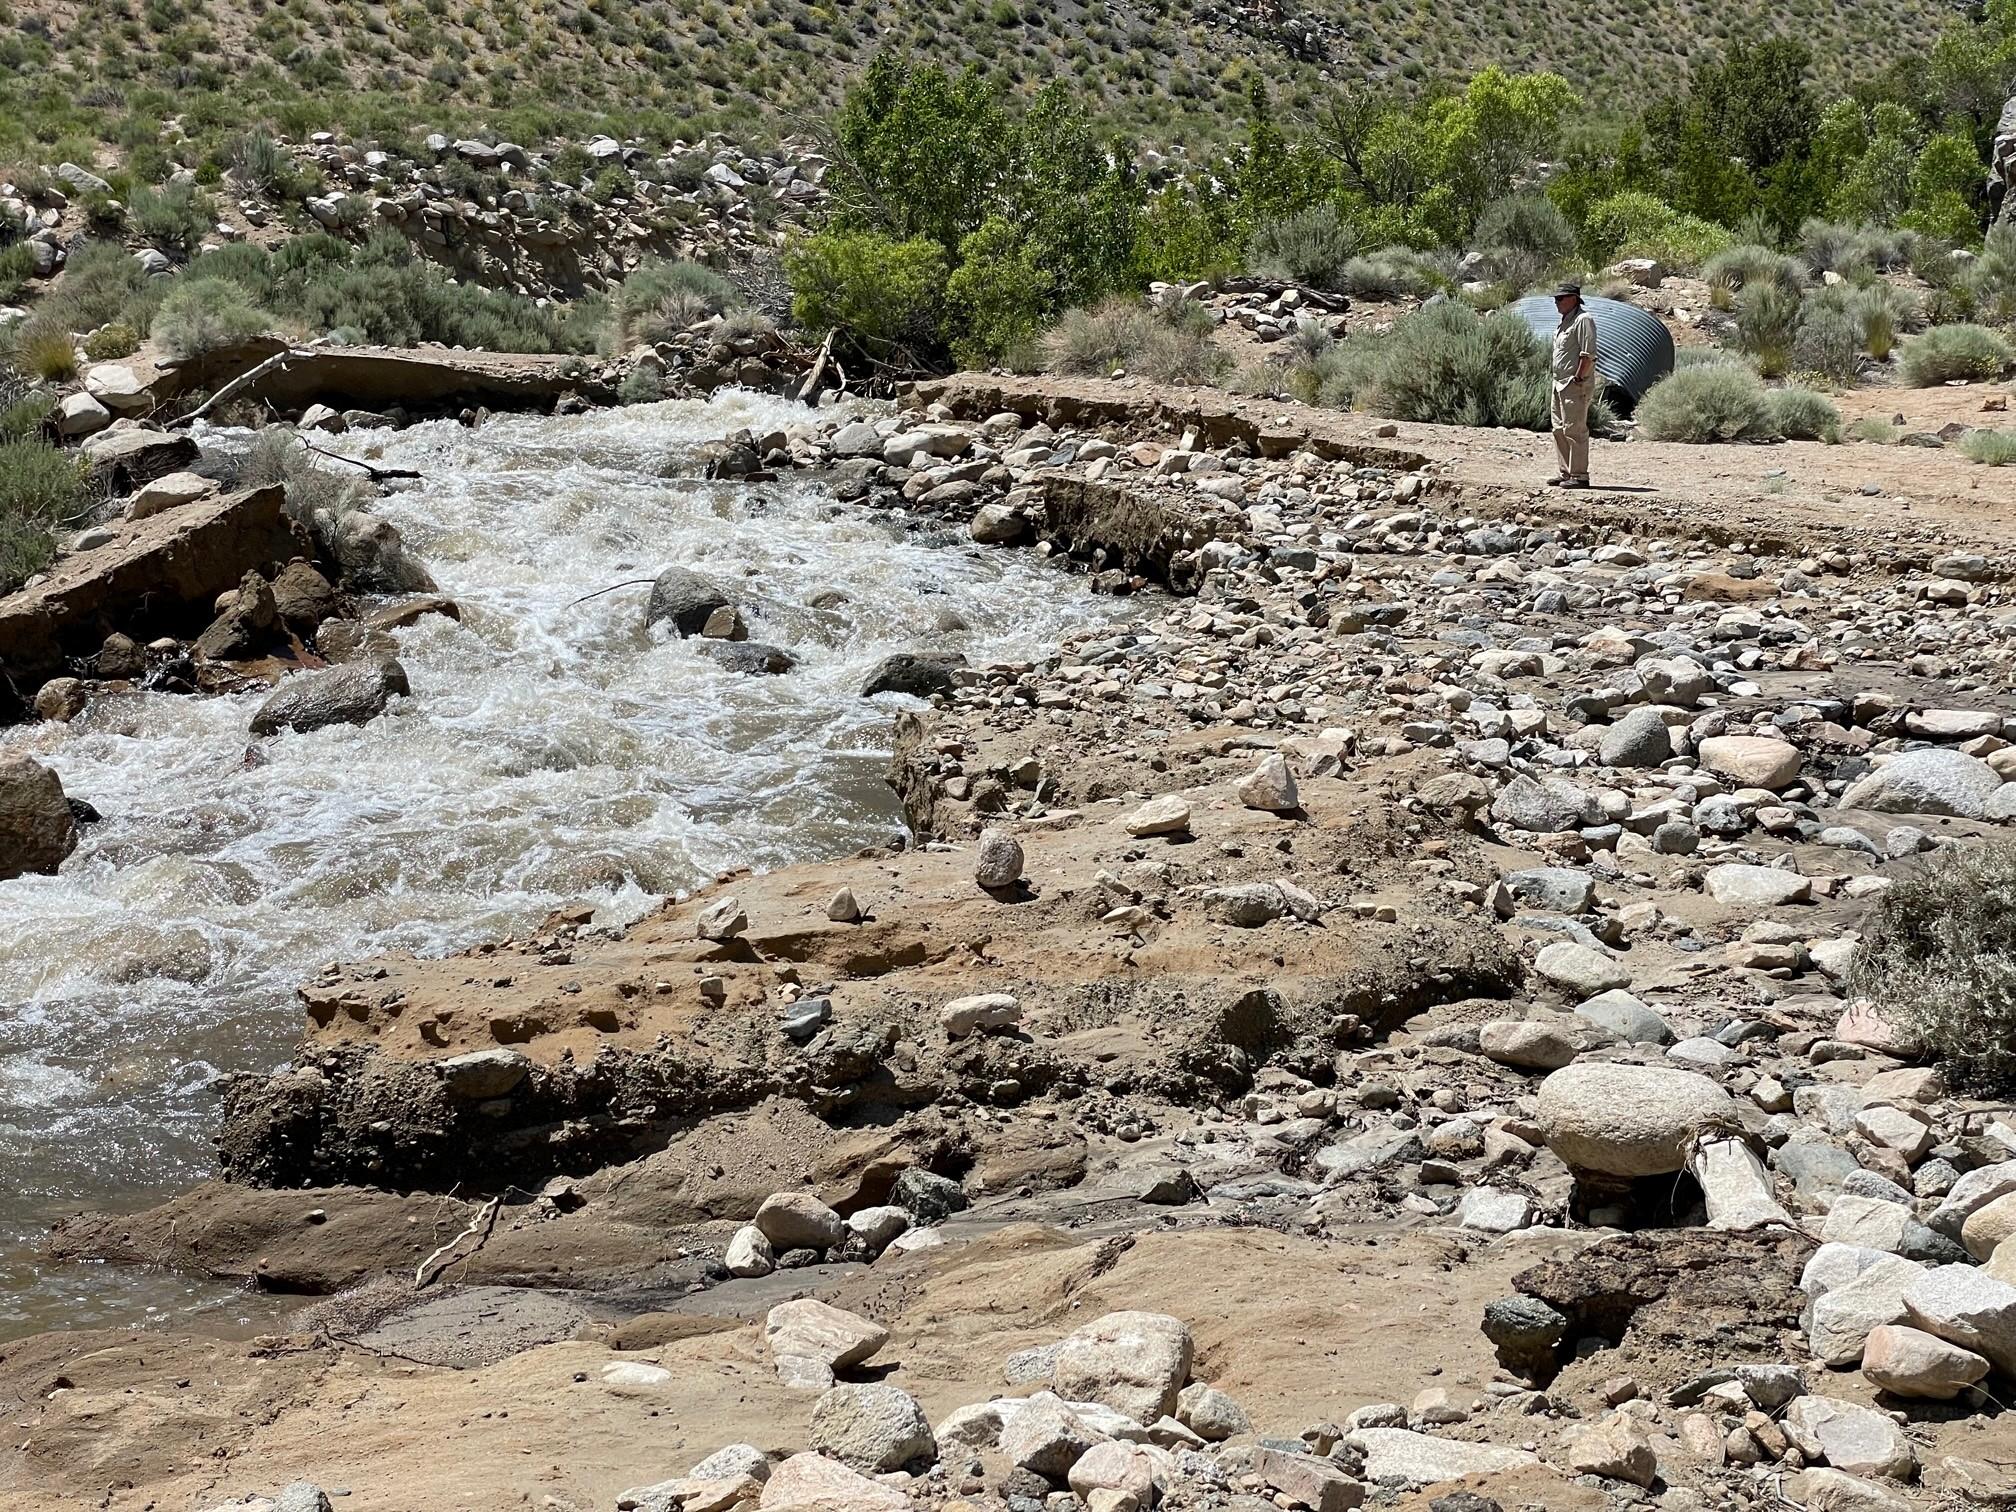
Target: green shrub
1707, 356
886, 296
1524, 240
39, 487
1852, 251
662, 298
1991, 281
1882, 432
1637, 224
103, 283
1938, 959
1992, 448
1749, 266
1395, 273
1712, 402
1828, 339
110, 342
1122, 332
1802, 415
263, 164
1946, 353
1767, 321
24, 409
312, 487
46, 349
1447, 364
17, 266
175, 219
203, 314
1880, 311
1312, 247
999, 295
643, 384
386, 293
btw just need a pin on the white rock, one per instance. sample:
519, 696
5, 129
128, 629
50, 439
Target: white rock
1629, 1120
1166, 815
987, 1010
1270, 787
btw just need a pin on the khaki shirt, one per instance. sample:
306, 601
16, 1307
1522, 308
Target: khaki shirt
1575, 336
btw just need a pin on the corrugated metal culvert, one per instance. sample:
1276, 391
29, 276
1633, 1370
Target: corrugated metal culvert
1634, 350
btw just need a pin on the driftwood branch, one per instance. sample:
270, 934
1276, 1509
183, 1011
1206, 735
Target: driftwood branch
480, 1226
626, 583
243, 381
810, 388
377, 474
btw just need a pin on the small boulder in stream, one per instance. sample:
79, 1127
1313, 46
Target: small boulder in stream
372, 554
685, 598
918, 675
354, 694
37, 828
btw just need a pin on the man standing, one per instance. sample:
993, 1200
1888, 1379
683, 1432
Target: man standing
1574, 372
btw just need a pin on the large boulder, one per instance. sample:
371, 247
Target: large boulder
37, 828
812, 1330
354, 694
872, 1428
684, 598
1928, 781
1133, 1362
799, 1220
1629, 1120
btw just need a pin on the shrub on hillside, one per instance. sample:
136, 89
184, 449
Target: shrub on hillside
174, 219
39, 487
24, 408
1991, 280
203, 314
1524, 240
1938, 958
103, 283
1949, 352
1715, 401
1802, 415
17, 266
111, 342
1991, 448
385, 292
886, 296
261, 163
663, 297
1879, 312
999, 295
1832, 247
45, 349
1312, 246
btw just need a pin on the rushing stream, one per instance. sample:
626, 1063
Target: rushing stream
552, 752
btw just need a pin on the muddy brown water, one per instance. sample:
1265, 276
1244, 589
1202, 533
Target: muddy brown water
552, 753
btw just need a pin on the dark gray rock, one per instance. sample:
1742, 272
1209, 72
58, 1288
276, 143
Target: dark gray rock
355, 694
685, 598
918, 674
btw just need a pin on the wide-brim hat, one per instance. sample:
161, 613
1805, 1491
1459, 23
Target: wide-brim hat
1567, 290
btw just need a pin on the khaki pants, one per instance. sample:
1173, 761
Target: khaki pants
1571, 428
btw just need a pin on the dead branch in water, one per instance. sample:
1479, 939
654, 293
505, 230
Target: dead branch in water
626, 583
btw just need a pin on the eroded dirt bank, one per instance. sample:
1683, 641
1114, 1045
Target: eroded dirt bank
1419, 791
